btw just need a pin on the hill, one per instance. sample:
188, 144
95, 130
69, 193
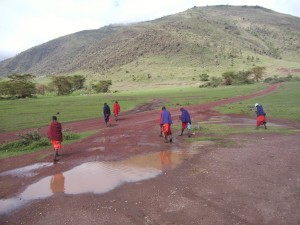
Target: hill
207, 39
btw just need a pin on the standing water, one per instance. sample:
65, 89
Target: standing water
95, 177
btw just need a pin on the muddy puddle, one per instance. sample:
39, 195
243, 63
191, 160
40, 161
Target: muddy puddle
93, 177
26, 171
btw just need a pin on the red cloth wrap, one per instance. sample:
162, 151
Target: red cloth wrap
167, 129
184, 125
260, 120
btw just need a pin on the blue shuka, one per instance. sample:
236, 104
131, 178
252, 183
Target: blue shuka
260, 111
166, 117
106, 112
185, 116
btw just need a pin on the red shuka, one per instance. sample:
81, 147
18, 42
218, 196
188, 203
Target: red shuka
261, 120
55, 131
117, 109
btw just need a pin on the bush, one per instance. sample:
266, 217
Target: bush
33, 140
102, 86
70, 136
204, 77
214, 82
30, 137
43, 142
277, 79
242, 77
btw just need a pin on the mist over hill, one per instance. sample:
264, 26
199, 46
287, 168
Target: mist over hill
201, 37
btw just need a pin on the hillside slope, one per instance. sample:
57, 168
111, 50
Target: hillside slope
199, 37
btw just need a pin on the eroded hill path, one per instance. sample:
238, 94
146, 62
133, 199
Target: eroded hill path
248, 179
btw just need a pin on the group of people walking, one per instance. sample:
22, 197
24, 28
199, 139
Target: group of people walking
55, 129
165, 122
107, 113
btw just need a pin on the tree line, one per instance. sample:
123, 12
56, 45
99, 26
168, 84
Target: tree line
233, 78
22, 85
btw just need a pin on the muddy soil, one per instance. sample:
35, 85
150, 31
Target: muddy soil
244, 179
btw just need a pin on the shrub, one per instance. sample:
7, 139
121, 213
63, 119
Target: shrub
70, 136
214, 82
204, 77
277, 79
33, 140
102, 86
30, 137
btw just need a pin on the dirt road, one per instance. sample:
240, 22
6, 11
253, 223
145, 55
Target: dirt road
126, 174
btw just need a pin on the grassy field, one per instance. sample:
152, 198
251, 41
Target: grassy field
285, 103
36, 112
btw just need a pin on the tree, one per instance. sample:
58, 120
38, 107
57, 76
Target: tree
62, 84
20, 86
258, 72
229, 77
102, 86
78, 81
243, 77
41, 89
215, 81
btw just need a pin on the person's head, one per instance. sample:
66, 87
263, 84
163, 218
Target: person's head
256, 104
181, 109
54, 118
116, 101
105, 103
163, 108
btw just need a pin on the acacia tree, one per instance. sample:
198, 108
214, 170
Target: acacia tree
20, 86
229, 77
78, 81
62, 84
102, 86
258, 72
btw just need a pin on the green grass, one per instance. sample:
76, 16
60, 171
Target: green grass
284, 103
17, 148
186, 95
225, 129
36, 112
217, 133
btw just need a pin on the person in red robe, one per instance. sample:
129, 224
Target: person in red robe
117, 110
55, 135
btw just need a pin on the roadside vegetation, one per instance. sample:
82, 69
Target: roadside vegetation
33, 141
285, 103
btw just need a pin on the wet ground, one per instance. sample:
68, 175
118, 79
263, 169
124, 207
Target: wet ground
126, 174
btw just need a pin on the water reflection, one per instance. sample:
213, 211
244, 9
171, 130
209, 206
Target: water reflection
57, 183
166, 160
96, 177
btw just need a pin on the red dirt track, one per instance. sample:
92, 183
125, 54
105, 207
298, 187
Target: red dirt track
255, 180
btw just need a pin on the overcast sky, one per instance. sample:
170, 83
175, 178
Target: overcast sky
28, 23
